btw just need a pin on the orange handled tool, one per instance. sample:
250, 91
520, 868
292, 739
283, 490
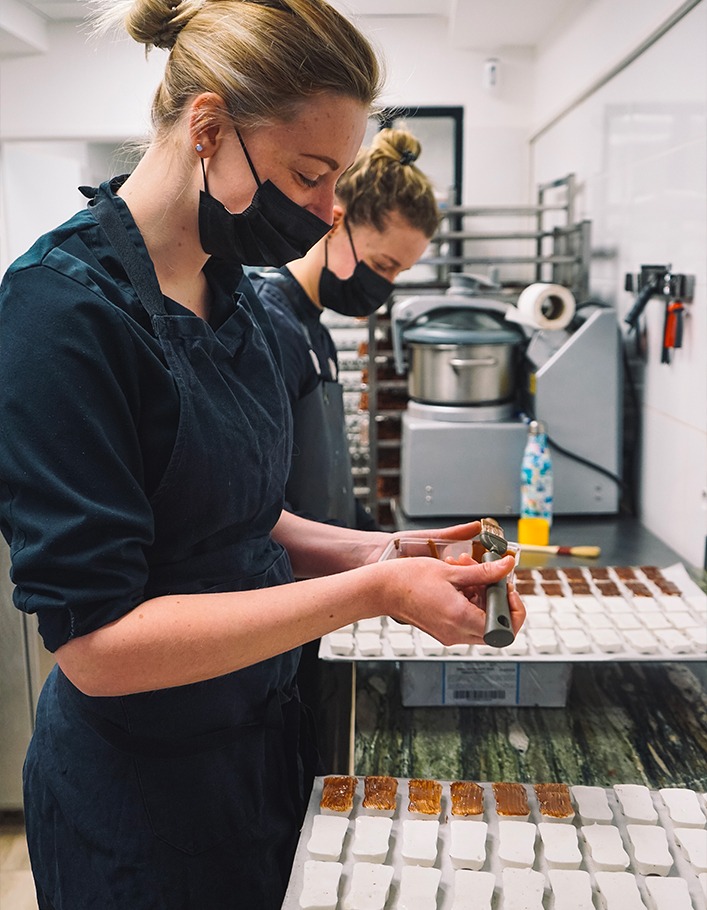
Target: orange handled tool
672, 335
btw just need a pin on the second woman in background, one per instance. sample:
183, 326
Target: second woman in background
384, 216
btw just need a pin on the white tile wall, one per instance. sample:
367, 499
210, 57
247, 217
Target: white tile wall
639, 149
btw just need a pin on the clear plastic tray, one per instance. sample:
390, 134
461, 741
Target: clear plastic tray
402, 547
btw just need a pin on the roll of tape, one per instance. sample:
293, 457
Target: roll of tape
544, 306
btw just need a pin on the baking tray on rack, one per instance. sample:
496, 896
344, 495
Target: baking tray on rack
680, 868
564, 626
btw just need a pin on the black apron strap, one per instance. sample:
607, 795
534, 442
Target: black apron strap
138, 269
285, 285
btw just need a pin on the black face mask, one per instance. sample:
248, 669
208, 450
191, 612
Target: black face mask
360, 295
273, 229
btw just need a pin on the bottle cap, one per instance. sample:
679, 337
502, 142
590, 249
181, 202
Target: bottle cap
536, 428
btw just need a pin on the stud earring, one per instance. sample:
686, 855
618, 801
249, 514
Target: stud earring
199, 147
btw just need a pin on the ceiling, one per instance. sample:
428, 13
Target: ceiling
485, 25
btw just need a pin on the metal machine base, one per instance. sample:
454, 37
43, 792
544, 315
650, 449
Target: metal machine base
455, 468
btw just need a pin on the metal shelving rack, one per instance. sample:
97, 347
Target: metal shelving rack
550, 247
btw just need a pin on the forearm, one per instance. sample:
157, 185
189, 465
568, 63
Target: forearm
316, 549
176, 640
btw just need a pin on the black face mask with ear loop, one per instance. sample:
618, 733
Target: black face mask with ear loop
359, 295
273, 229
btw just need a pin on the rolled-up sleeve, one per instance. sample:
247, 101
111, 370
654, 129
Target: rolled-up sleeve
73, 501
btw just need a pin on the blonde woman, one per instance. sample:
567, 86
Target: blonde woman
145, 438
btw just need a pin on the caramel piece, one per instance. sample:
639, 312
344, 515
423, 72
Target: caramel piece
608, 588
338, 794
379, 793
511, 799
598, 572
638, 588
651, 571
467, 798
554, 800
552, 588
477, 550
573, 572
525, 587
549, 573
425, 796
579, 587
524, 574
624, 572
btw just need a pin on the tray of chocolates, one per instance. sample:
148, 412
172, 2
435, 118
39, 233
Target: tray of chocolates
587, 613
379, 843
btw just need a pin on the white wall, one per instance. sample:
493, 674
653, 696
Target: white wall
424, 68
101, 90
61, 114
81, 88
639, 148
591, 45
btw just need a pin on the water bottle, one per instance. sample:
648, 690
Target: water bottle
535, 488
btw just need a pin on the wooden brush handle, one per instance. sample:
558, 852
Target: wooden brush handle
586, 552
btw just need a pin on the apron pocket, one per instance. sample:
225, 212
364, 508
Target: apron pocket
194, 802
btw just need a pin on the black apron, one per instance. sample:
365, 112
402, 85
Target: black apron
321, 480
187, 798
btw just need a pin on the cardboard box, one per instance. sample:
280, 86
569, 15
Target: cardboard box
463, 683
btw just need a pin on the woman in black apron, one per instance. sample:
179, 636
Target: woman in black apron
384, 216
144, 450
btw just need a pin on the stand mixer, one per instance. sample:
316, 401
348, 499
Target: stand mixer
463, 434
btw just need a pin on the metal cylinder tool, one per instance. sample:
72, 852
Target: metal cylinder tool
498, 631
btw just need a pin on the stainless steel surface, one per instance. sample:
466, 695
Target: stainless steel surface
560, 245
454, 467
498, 631
15, 696
578, 396
462, 413
23, 666
467, 374
451, 466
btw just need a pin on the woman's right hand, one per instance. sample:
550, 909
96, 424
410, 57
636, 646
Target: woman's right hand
446, 600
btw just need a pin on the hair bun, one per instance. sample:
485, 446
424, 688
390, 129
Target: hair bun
157, 23
396, 145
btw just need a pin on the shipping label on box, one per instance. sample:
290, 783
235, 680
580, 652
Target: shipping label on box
480, 684
461, 683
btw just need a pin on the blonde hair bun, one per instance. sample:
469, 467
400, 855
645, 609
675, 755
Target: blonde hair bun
385, 179
396, 144
154, 23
